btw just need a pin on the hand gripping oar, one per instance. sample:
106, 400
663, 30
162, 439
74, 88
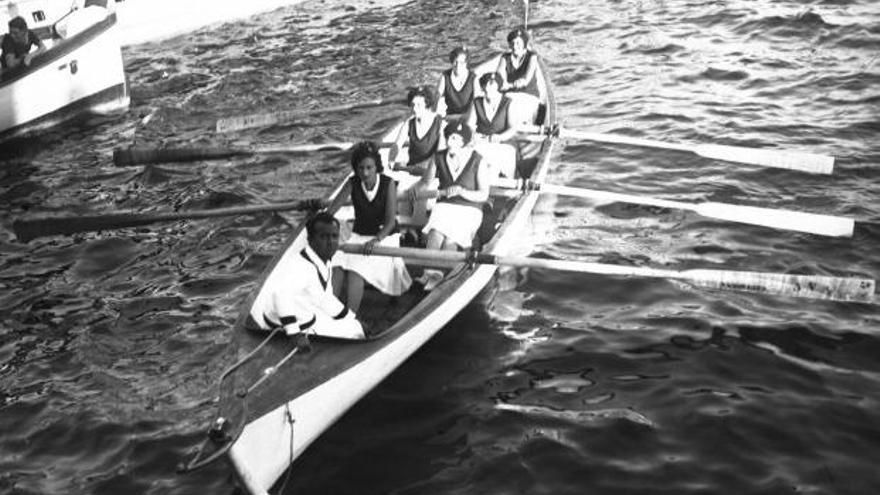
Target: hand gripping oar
804, 162
125, 157
26, 230
808, 286
779, 219
241, 122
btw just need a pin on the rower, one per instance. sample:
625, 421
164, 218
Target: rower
298, 295
423, 135
456, 86
489, 116
463, 190
518, 68
373, 195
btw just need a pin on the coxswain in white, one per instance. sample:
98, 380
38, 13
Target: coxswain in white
298, 295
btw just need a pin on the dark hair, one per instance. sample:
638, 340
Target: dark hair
459, 128
17, 23
320, 217
459, 50
425, 92
491, 76
518, 33
366, 149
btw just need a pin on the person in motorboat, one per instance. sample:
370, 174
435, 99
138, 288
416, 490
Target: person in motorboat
463, 190
298, 294
374, 198
490, 120
457, 86
422, 133
518, 68
15, 48
77, 21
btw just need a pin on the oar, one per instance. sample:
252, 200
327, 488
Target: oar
809, 286
125, 157
804, 162
241, 122
26, 230
811, 223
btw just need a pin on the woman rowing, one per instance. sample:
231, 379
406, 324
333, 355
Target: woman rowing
374, 197
489, 118
456, 86
463, 190
518, 68
422, 132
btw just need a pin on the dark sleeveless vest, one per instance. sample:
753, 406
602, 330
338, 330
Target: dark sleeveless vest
467, 178
458, 102
498, 124
518, 73
424, 148
369, 216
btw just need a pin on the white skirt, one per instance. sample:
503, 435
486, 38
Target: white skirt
385, 273
459, 223
523, 107
500, 157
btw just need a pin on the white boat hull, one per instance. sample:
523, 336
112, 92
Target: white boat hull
81, 75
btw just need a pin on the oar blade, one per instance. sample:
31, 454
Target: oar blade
27, 230
811, 223
803, 162
242, 122
126, 157
805, 286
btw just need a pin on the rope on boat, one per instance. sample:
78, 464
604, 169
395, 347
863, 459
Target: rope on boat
219, 432
302, 343
290, 420
249, 355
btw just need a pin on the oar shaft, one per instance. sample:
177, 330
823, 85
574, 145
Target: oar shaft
266, 119
797, 221
807, 286
803, 162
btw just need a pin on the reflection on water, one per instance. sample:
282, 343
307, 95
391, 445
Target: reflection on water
111, 343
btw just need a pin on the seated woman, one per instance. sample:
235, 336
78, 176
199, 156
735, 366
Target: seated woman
489, 117
456, 87
374, 197
423, 133
463, 189
518, 69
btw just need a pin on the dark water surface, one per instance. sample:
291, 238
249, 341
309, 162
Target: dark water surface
111, 343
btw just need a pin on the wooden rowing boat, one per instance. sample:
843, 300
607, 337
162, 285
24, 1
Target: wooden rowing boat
265, 429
